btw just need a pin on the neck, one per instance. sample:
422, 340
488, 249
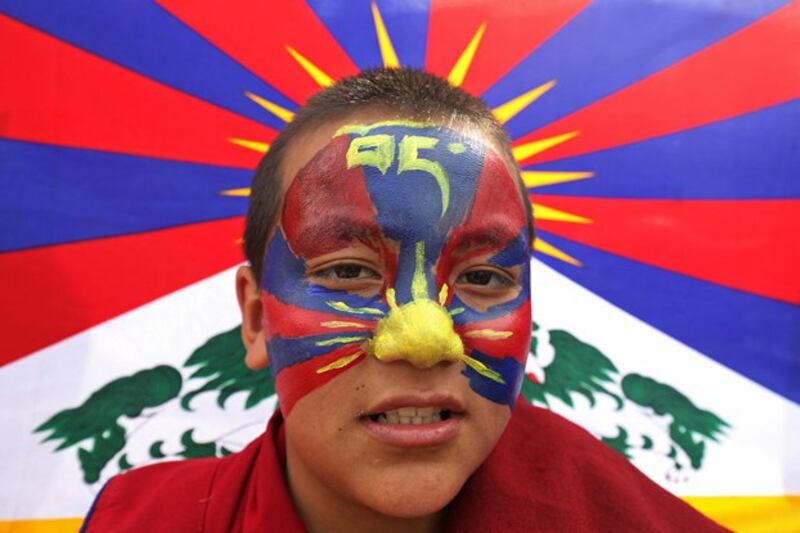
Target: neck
323, 509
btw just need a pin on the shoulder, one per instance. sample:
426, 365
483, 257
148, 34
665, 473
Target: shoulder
559, 476
169, 496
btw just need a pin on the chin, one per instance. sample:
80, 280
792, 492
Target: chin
417, 491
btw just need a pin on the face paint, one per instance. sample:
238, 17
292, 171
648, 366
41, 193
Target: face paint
428, 204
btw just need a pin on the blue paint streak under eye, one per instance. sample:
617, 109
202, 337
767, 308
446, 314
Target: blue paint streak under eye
511, 371
471, 315
284, 278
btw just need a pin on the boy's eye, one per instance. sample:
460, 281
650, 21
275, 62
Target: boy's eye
490, 279
347, 277
346, 271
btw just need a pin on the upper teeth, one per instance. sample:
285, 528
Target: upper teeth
411, 415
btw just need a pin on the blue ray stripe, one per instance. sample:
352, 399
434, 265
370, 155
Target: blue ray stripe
51, 194
145, 38
752, 156
755, 336
285, 352
352, 26
511, 371
610, 45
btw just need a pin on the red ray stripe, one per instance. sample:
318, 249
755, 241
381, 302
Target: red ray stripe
294, 382
513, 31
749, 245
516, 346
256, 34
287, 320
754, 68
55, 93
54, 292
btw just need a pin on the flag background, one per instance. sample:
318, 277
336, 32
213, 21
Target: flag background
660, 142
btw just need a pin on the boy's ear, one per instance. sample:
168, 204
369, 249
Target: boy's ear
249, 296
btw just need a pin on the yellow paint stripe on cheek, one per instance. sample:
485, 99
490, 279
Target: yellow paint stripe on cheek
488, 334
342, 324
340, 363
339, 340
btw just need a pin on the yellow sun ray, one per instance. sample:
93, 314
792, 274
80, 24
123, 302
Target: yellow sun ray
488, 334
548, 249
256, 146
339, 340
340, 363
243, 192
540, 178
341, 306
482, 369
342, 324
542, 212
524, 151
280, 112
460, 69
443, 294
508, 110
322, 79
384, 42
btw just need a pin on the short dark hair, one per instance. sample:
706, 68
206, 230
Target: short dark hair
403, 91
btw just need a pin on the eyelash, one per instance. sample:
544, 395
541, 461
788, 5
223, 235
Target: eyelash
330, 273
498, 277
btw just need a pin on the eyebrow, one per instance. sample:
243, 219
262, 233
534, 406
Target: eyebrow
331, 231
491, 236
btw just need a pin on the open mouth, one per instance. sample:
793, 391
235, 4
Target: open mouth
414, 421
412, 415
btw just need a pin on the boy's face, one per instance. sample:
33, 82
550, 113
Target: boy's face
396, 310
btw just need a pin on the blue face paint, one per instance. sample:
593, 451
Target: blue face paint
427, 201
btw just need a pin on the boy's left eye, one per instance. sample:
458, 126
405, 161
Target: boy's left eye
485, 278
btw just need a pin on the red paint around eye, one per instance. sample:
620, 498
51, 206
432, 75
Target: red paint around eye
517, 345
486, 229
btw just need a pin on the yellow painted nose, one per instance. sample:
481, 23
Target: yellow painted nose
420, 332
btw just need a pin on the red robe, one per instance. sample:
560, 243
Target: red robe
546, 474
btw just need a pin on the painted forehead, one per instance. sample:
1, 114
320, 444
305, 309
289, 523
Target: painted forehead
401, 180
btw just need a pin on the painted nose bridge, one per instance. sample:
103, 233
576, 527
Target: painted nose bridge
421, 332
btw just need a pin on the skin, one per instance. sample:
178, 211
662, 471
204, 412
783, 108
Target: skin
340, 477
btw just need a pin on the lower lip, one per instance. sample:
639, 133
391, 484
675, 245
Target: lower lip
414, 435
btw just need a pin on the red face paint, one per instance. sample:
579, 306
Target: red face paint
422, 201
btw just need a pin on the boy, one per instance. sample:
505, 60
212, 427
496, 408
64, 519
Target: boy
388, 243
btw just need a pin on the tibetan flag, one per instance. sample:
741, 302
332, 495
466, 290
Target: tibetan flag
658, 142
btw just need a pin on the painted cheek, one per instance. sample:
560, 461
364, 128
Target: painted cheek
311, 337
498, 336
314, 333
506, 335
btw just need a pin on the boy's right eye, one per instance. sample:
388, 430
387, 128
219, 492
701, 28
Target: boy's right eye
347, 276
346, 271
